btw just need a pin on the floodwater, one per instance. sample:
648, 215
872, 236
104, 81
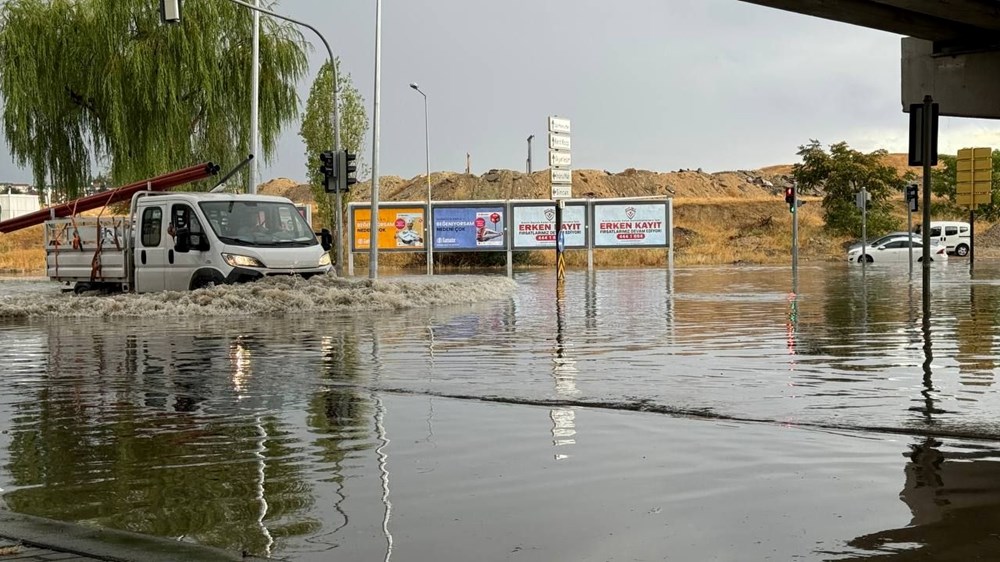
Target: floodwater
699, 414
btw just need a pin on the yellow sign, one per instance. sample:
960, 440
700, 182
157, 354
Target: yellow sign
974, 176
399, 228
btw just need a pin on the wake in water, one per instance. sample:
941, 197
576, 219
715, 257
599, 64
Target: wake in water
271, 296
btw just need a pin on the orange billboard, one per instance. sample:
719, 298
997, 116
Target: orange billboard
399, 228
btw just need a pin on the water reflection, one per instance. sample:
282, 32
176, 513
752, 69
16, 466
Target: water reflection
564, 375
975, 337
952, 490
272, 435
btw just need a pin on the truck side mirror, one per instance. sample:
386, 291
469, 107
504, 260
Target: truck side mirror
182, 240
326, 239
200, 242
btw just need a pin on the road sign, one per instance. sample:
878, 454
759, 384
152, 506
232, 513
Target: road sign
562, 191
561, 176
559, 142
974, 176
560, 159
917, 140
559, 125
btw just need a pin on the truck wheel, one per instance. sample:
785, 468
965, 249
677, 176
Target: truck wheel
205, 278
961, 250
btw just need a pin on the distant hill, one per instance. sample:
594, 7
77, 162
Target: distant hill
682, 184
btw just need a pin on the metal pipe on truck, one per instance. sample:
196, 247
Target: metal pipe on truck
119, 195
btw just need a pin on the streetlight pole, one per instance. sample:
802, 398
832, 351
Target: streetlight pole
428, 233
336, 118
255, 99
529, 152
376, 136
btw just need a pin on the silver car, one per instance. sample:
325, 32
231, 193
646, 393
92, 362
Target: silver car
896, 249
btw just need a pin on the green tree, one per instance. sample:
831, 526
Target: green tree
317, 128
841, 173
944, 184
89, 81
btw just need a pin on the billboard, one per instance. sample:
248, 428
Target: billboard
400, 228
469, 228
534, 225
631, 224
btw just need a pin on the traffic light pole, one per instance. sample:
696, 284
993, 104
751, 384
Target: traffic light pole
795, 231
337, 222
909, 229
925, 231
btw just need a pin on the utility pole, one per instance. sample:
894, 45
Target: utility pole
864, 227
529, 152
373, 223
255, 99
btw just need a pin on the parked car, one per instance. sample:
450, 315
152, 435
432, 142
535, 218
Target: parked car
956, 236
880, 240
896, 249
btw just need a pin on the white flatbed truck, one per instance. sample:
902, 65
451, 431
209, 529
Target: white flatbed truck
184, 241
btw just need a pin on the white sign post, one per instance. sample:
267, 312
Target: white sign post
559, 158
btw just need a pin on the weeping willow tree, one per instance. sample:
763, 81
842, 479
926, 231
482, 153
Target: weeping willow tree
102, 81
317, 128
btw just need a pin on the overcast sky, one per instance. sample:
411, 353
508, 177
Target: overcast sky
651, 84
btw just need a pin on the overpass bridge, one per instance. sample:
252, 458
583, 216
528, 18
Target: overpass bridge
950, 48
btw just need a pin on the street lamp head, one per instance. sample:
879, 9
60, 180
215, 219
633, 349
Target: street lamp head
414, 85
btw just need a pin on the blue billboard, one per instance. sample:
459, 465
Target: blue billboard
462, 228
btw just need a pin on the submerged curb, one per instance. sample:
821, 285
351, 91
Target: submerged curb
105, 544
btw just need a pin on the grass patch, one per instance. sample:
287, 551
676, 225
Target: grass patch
23, 251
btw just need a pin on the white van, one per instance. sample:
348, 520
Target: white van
954, 235
184, 241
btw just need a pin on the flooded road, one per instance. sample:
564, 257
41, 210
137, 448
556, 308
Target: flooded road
703, 414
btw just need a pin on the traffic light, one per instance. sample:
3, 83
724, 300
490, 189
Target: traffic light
912, 197
327, 168
346, 170
790, 198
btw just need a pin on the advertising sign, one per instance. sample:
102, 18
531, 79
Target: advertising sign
534, 226
469, 228
630, 224
399, 228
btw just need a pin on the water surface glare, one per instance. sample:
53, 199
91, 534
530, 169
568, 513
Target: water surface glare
713, 413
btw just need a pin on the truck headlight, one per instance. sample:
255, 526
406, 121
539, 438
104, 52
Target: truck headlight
324, 260
236, 260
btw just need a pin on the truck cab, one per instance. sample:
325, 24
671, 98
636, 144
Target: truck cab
192, 240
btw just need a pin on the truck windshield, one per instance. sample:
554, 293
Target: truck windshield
258, 223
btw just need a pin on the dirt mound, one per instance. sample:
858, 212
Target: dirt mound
988, 238
898, 161
284, 187
508, 184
